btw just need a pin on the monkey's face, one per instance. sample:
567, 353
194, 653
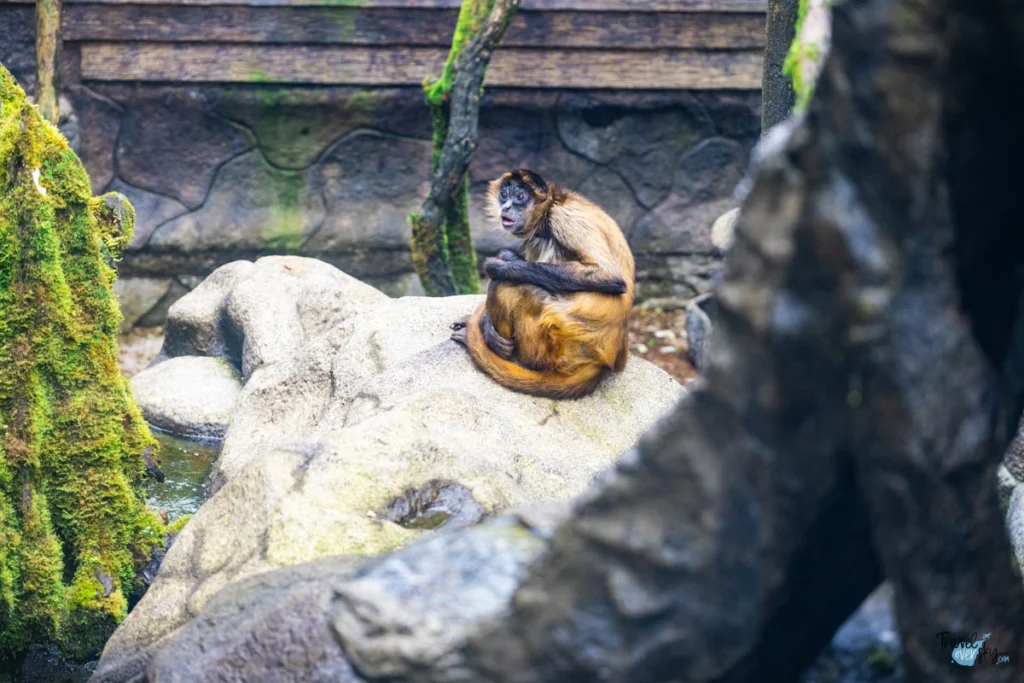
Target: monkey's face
515, 205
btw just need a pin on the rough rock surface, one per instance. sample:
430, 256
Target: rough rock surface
361, 424
723, 230
1011, 495
189, 396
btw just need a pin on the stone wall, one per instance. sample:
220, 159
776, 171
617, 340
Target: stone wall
219, 172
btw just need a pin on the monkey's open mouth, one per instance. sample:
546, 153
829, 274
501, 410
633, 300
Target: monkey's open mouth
508, 222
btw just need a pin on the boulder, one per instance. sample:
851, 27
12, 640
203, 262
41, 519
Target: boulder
190, 396
1010, 476
360, 427
698, 329
1015, 523
723, 230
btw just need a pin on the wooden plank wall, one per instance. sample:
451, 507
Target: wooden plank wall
620, 44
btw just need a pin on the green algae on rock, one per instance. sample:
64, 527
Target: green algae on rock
73, 522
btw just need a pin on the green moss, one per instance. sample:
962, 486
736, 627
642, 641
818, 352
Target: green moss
71, 435
798, 54
426, 243
175, 527
472, 16
461, 252
258, 75
282, 195
344, 21
882, 662
366, 101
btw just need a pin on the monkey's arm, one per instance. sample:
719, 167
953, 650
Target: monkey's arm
510, 255
557, 278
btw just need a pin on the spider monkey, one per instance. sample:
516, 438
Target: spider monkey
555, 317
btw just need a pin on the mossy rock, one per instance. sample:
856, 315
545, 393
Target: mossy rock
73, 522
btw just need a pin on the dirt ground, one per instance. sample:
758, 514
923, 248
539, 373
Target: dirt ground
654, 334
659, 336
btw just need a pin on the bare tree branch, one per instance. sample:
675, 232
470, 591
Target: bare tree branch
48, 55
430, 247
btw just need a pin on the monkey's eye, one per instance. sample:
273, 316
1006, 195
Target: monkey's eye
503, 195
521, 196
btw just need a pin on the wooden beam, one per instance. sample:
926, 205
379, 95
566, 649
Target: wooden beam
411, 27
544, 5
329, 65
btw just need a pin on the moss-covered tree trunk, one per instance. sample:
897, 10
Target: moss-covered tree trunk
73, 523
777, 96
810, 45
48, 55
442, 244
797, 38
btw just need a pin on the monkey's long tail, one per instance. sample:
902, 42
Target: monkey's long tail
517, 378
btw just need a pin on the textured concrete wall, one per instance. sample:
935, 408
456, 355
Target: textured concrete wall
218, 173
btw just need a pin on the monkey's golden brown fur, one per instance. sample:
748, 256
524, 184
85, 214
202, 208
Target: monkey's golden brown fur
555, 319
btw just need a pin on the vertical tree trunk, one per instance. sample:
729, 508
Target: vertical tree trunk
443, 252
777, 95
48, 57
798, 35
810, 46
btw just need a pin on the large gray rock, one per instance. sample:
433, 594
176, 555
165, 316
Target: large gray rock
189, 396
723, 230
360, 424
1010, 482
292, 616
1015, 524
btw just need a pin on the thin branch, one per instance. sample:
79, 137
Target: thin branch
460, 143
48, 50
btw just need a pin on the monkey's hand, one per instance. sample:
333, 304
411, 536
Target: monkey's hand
496, 269
508, 256
495, 342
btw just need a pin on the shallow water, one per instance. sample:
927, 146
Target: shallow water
186, 466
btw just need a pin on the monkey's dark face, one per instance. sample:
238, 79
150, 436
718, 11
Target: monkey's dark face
515, 204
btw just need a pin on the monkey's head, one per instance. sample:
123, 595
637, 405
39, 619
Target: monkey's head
518, 200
